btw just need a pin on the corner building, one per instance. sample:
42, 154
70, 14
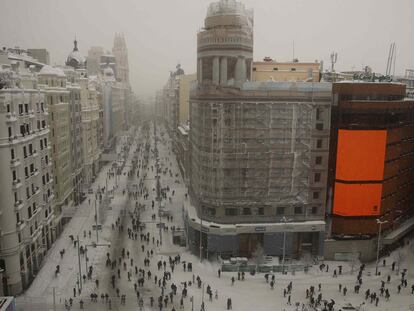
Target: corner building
258, 150
26, 183
371, 167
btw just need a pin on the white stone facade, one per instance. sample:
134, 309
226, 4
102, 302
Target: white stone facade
26, 183
53, 81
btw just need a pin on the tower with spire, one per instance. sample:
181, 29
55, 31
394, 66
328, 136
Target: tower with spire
121, 55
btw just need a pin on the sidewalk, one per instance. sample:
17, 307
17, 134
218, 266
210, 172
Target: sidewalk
83, 219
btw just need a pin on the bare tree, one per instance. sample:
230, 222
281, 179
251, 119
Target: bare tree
354, 261
258, 255
399, 258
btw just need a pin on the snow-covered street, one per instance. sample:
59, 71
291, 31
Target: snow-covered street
253, 293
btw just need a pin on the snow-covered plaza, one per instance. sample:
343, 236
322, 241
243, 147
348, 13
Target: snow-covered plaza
111, 270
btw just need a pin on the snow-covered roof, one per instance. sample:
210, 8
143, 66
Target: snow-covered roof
51, 71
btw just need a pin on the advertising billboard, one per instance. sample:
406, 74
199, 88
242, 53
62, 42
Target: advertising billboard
357, 199
360, 155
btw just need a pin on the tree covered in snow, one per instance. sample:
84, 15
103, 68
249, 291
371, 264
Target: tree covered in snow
258, 255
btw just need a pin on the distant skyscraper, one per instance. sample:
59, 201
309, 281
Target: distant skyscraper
93, 64
42, 55
121, 55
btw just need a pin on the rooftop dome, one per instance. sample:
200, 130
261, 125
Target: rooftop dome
75, 58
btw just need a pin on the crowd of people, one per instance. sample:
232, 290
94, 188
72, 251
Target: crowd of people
137, 265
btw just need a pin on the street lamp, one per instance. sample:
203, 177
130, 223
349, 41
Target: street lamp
79, 263
379, 222
284, 220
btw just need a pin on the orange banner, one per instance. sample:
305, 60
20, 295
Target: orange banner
360, 155
357, 199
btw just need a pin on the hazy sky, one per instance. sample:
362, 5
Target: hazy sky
160, 33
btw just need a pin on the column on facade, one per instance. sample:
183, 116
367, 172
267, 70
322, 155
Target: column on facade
216, 70
200, 70
243, 70
223, 71
238, 75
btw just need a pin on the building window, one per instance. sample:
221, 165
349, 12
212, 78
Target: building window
10, 132
254, 68
260, 211
319, 143
275, 69
247, 211
314, 210
318, 113
280, 210
230, 211
14, 175
12, 154
29, 211
316, 195
24, 151
318, 160
319, 126
317, 177
15, 197
292, 69
298, 210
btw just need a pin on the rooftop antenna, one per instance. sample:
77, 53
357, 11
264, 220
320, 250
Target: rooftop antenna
395, 58
390, 59
334, 58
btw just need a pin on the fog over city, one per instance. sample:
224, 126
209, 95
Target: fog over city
212, 155
161, 33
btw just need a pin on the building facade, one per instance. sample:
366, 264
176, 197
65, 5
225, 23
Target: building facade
76, 136
258, 150
42, 55
26, 191
270, 70
90, 128
371, 163
93, 64
53, 82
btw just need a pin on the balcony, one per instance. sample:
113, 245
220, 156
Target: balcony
15, 162
20, 225
16, 184
18, 205
11, 117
